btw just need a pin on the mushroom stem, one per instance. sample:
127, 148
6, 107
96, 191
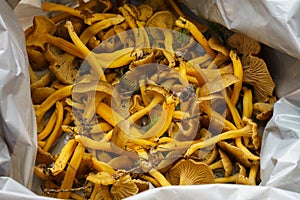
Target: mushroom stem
229, 179
245, 131
112, 117
97, 27
63, 158
247, 103
239, 124
96, 68
162, 125
156, 100
237, 71
57, 128
102, 166
102, 145
183, 23
71, 171
253, 172
64, 45
51, 100
216, 165
48, 128
153, 181
108, 60
87, 17
159, 177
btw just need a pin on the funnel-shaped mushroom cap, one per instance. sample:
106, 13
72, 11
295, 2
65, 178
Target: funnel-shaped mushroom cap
162, 19
244, 44
41, 25
123, 187
190, 172
146, 12
257, 74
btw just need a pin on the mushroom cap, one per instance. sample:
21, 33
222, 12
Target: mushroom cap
190, 172
257, 74
263, 111
217, 45
244, 44
255, 138
38, 95
154, 90
236, 152
162, 19
41, 25
145, 11
227, 165
123, 187
101, 178
62, 65
142, 185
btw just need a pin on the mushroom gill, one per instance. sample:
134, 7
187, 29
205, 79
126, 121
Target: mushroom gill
190, 172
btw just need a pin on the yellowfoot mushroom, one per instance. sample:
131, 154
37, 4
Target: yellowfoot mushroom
224, 163
263, 111
256, 73
190, 172
240, 177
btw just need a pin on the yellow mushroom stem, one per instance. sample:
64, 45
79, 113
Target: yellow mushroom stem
199, 37
150, 179
239, 124
51, 100
137, 115
103, 60
102, 166
238, 72
88, 18
63, 158
57, 128
195, 72
102, 145
245, 131
112, 117
48, 128
97, 27
95, 191
159, 177
247, 103
162, 125
247, 108
216, 165
73, 166
253, 172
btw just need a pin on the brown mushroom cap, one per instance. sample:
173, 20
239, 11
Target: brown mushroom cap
257, 74
145, 11
244, 44
263, 111
162, 19
190, 172
236, 152
227, 165
123, 187
62, 65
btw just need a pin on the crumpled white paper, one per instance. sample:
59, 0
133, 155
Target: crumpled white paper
274, 23
17, 122
271, 22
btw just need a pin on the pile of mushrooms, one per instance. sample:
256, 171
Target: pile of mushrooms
127, 96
